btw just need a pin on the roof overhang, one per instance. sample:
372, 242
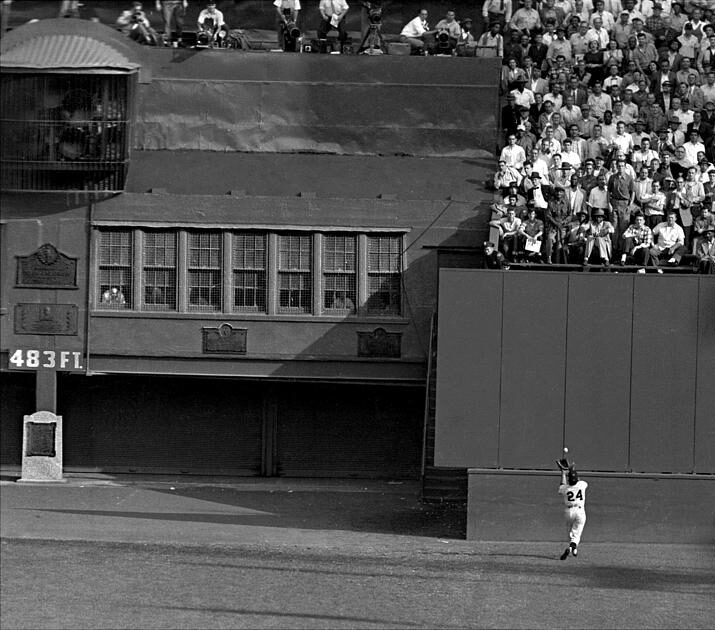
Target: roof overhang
68, 46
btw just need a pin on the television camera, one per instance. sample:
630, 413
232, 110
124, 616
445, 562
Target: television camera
373, 42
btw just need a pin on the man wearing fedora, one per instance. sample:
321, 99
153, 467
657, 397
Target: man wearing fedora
599, 247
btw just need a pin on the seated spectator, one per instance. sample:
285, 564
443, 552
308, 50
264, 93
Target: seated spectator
599, 247
415, 31
705, 252
505, 176
578, 230
212, 30
135, 25
522, 96
114, 296
637, 241
530, 233
466, 44
669, 242
509, 232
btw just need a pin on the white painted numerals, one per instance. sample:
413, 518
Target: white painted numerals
45, 359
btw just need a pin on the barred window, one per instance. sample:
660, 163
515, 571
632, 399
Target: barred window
115, 269
159, 271
384, 266
294, 273
249, 272
339, 286
205, 271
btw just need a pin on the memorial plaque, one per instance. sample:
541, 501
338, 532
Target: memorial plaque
41, 439
380, 343
47, 268
224, 339
45, 319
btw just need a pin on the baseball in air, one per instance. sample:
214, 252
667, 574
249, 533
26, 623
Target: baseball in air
566, 450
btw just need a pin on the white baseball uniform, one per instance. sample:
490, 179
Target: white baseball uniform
575, 512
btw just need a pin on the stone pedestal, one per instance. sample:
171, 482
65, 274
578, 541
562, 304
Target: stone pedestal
42, 448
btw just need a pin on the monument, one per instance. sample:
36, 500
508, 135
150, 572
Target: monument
42, 448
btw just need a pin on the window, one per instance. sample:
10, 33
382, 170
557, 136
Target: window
254, 272
65, 131
115, 269
205, 271
159, 271
339, 288
384, 269
249, 272
294, 277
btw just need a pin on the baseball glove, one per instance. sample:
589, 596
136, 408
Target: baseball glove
562, 464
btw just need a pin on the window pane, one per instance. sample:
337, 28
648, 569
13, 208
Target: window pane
115, 269
159, 270
383, 294
295, 292
205, 249
205, 290
249, 271
338, 253
249, 290
339, 292
296, 252
384, 263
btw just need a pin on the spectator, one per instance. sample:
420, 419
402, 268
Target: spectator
556, 219
526, 20
415, 31
705, 252
492, 40
492, 258
578, 230
508, 232
598, 248
653, 205
332, 16
669, 242
135, 25
513, 154
498, 11
637, 241
212, 29
287, 12
530, 232
173, 11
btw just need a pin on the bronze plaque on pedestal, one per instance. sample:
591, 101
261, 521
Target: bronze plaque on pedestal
41, 439
47, 268
45, 319
224, 339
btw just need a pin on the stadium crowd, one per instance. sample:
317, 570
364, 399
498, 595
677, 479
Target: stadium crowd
609, 137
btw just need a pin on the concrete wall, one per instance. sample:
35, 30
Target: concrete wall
617, 367
620, 508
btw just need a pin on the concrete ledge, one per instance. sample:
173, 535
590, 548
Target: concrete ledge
621, 507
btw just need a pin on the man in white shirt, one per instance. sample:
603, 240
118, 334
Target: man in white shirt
212, 29
415, 30
693, 146
332, 14
669, 242
287, 11
522, 96
512, 154
607, 19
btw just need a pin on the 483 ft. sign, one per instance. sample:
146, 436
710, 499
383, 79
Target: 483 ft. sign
30, 359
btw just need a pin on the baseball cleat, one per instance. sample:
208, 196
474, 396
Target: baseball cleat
574, 551
566, 552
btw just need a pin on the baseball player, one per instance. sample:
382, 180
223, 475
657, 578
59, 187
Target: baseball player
574, 493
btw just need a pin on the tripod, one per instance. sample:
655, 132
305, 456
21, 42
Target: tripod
373, 43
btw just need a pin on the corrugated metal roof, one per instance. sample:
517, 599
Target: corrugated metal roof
51, 52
